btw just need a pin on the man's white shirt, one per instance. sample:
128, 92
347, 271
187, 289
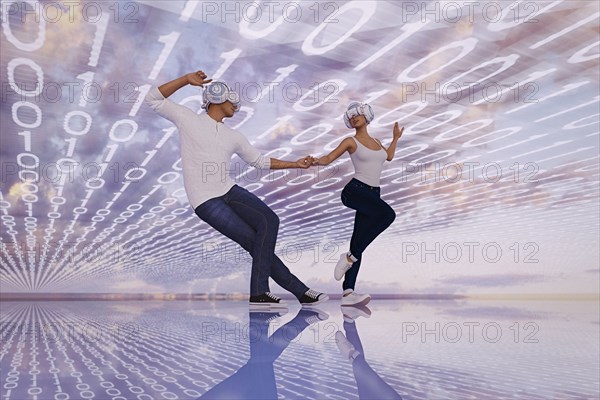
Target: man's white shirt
206, 149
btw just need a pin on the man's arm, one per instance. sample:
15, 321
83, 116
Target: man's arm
157, 100
253, 156
197, 78
282, 164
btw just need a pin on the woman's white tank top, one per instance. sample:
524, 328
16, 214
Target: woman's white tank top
368, 163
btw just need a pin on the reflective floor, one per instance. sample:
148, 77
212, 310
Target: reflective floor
392, 349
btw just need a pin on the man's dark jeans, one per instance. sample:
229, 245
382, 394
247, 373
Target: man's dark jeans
245, 219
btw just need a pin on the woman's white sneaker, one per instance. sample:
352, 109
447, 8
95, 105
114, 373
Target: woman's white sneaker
355, 299
352, 313
341, 267
346, 348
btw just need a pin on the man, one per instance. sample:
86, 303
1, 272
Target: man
230, 209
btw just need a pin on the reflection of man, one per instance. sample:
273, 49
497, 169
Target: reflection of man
256, 379
369, 383
230, 209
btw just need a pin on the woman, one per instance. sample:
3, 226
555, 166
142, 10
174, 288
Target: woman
362, 193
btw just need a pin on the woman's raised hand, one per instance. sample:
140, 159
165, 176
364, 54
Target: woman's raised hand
397, 131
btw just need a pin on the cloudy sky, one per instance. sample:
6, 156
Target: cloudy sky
494, 183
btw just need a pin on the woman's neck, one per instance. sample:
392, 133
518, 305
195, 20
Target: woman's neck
362, 131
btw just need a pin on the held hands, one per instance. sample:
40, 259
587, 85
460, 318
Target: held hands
320, 161
197, 78
305, 162
397, 131
308, 161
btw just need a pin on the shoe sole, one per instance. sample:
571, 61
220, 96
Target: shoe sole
360, 303
337, 268
354, 317
364, 311
335, 275
309, 305
267, 306
276, 313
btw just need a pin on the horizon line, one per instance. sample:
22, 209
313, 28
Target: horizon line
109, 296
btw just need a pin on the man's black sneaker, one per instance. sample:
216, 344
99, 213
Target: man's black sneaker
312, 298
264, 316
266, 301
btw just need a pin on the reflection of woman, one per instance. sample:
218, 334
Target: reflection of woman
362, 193
368, 382
256, 379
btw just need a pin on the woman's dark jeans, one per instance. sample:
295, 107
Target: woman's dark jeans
373, 216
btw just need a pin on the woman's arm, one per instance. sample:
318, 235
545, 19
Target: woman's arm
391, 150
346, 145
